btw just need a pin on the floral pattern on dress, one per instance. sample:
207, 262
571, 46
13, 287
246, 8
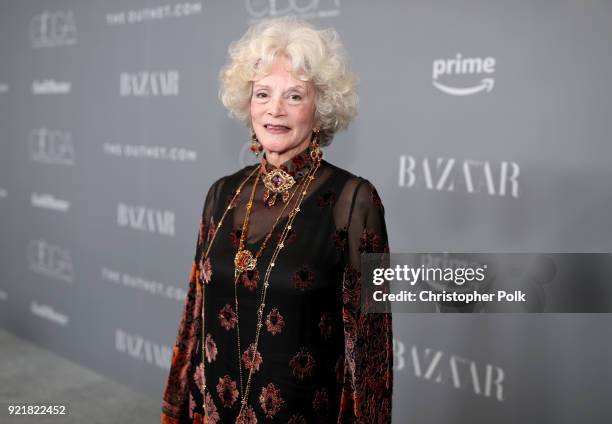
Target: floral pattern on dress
248, 416
247, 358
249, 279
205, 271
270, 400
199, 377
211, 409
303, 278
210, 348
302, 364
227, 391
274, 322
227, 317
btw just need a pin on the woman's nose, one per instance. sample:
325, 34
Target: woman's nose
277, 106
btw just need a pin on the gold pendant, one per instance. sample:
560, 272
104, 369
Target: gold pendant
244, 261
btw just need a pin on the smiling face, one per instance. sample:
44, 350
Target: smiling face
282, 111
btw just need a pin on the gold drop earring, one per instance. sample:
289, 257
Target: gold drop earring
256, 146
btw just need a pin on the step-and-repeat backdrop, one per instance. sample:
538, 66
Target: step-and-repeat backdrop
485, 126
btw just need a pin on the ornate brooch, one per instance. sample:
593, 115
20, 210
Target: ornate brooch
277, 181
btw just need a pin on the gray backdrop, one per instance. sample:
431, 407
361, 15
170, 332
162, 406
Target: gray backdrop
484, 125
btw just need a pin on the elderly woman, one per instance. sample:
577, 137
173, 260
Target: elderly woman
274, 291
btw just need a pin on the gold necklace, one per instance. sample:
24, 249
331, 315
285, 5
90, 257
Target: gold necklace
237, 273
304, 190
317, 156
244, 260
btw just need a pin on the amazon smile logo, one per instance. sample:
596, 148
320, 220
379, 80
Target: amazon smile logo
459, 65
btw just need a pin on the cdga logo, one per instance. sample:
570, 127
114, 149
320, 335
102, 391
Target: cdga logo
304, 9
52, 29
51, 146
464, 66
50, 260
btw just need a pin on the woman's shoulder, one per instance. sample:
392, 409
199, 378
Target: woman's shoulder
351, 183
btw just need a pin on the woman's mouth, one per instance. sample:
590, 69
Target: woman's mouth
276, 129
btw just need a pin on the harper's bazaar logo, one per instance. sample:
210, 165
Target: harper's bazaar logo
145, 219
304, 9
450, 174
461, 373
464, 66
51, 146
148, 14
139, 348
50, 260
145, 84
52, 29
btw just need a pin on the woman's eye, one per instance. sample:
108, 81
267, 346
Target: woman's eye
261, 95
295, 97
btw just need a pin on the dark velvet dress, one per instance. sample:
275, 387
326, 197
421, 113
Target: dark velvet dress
320, 358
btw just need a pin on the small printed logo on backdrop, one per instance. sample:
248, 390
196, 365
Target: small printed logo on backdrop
464, 76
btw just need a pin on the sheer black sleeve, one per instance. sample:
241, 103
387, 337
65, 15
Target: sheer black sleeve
368, 371
175, 402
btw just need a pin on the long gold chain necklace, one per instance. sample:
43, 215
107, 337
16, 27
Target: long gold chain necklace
303, 190
250, 264
316, 155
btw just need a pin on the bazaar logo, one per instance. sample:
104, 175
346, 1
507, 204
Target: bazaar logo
50, 260
139, 348
144, 219
145, 84
450, 174
304, 9
48, 313
148, 14
51, 146
464, 66
53, 29
460, 373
